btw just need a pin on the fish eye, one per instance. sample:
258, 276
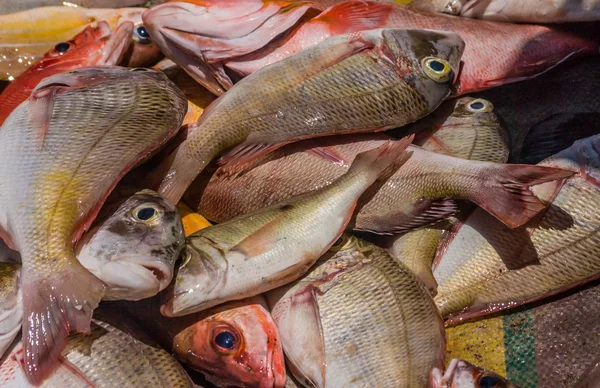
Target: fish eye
479, 105
437, 69
224, 339
62, 47
141, 35
147, 213
487, 381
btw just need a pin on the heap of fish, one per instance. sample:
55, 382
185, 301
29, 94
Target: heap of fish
359, 186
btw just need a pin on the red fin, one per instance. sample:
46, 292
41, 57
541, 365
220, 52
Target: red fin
262, 239
52, 309
328, 153
505, 192
41, 105
353, 16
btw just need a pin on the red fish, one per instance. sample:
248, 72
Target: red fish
495, 53
91, 47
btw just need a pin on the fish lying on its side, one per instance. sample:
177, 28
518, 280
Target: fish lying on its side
485, 267
104, 358
386, 78
26, 36
61, 153
91, 47
357, 319
275, 245
495, 53
461, 374
523, 11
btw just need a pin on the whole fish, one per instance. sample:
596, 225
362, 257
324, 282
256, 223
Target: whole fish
275, 245
26, 36
185, 32
22, 5
105, 358
62, 152
235, 344
418, 194
524, 11
386, 78
358, 319
485, 267
540, 123
461, 374
91, 47
11, 312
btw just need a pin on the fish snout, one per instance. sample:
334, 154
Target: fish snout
134, 278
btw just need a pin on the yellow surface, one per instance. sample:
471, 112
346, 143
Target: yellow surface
193, 113
403, 1
480, 343
192, 222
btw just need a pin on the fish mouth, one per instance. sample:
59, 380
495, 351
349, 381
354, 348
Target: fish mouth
202, 35
134, 278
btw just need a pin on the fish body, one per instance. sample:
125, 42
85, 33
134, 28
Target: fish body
63, 151
26, 36
485, 267
91, 47
275, 245
105, 358
383, 76
526, 11
358, 318
461, 374
416, 195
525, 50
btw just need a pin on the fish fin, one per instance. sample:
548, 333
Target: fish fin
41, 106
353, 16
53, 310
234, 161
5, 236
263, 239
525, 71
300, 323
328, 153
505, 193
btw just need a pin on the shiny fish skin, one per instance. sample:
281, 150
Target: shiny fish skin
359, 318
523, 11
461, 374
415, 195
11, 312
275, 245
56, 173
377, 75
486, 267
106, 358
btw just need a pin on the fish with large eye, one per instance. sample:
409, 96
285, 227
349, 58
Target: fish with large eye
143, 51
141, 35
437, 69
479, 105
461, 374
147, 213
224, 341
62, 47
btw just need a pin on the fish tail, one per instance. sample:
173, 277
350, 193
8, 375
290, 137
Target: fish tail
52, 308
371, 164
506, 195
178, 172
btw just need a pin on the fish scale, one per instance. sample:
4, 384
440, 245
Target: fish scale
54, 179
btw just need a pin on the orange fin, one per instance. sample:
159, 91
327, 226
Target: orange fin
505, 193
353, 16
328, 153
52, 309
263, 239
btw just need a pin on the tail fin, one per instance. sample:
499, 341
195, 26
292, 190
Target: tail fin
53, 307
505, 193
374, 162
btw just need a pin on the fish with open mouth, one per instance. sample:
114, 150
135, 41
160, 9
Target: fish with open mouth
386, 78
275, 245
495, 53
61, 154
484, 267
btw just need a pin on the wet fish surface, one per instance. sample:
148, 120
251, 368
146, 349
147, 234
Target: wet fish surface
462, 374
485, 267
62, 153
359, 318
11, 6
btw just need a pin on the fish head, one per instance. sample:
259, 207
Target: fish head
134, 250
143, 51
94, 46
476, 112
237, 344
429, 60
461, 374
200, 34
